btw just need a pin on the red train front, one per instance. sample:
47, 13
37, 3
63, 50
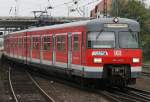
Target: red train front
106, 48
113, 53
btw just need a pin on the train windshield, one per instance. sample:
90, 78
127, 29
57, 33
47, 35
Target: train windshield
101, 40
128, 40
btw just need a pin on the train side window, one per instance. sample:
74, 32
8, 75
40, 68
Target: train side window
25, 42
61, 43
63, 40
76, 42
11, 43
15, 42
19, 42
35, 41
47, 43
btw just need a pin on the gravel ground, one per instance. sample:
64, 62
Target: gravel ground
4, 88
143, 83
65, 93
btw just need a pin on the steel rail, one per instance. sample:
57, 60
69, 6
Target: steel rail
132, 96
146, 74
146, 66
121, 98
129, 94
146, 70
72, 84
143, 96
38, 86
11, 87
110, 96
138, 90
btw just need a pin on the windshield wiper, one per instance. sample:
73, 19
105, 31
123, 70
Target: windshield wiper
132, 34
99, 34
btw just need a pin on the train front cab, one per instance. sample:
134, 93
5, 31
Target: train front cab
113, 53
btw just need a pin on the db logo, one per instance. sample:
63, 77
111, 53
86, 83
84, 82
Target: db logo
117, 53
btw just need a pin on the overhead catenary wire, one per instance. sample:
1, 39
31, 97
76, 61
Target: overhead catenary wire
83, 6
63, 4
74, 4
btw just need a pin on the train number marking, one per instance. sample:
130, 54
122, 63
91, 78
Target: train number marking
117, 53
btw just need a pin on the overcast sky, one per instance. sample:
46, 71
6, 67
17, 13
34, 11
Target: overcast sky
25, 7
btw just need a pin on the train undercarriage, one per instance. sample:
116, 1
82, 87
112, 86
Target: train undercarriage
119, 75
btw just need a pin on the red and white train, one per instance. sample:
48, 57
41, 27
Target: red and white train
105, 48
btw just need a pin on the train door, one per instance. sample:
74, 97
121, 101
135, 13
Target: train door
19, 47
28, 49
41, 49
16, 46
76, 50
31, 47
36, 48
47, 49
54, 51
24, 48
12, 45
69, 50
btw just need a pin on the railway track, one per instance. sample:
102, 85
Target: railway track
146, 67
144, 73
128, 94
146, 70
101, 93
44, 86
114, 94
25, 88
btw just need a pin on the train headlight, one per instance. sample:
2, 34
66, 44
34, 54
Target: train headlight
135, 60
97, 60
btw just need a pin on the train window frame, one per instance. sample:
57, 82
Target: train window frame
19, 42
129, 32
11, 44
47, 43
25, 41
101, 32
76, 48
35, 42
140, 41
58, 43
61, 42
14, 42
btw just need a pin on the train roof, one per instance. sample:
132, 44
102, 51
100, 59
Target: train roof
91, 25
